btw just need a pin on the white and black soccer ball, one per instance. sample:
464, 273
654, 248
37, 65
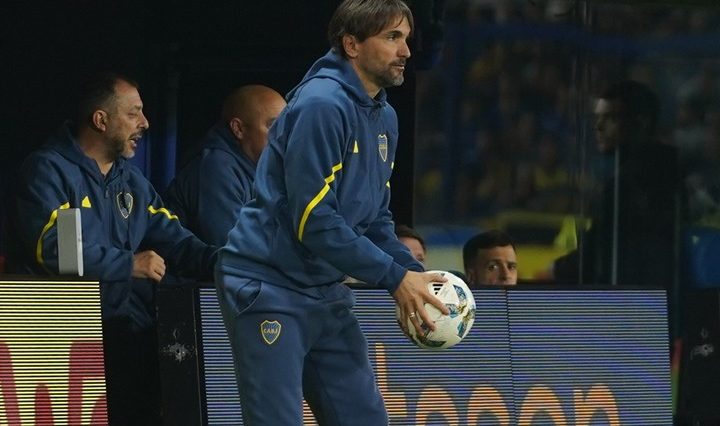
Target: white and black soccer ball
449, 329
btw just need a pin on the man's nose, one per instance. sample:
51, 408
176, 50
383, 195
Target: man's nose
144, 123
404, 51
504, 272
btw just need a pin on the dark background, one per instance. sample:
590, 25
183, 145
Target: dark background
186, 57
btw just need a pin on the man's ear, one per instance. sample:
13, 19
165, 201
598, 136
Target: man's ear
99, 120
350, 44
236, 127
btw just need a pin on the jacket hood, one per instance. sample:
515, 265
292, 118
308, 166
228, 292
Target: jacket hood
220, 137
337, 68
65, 143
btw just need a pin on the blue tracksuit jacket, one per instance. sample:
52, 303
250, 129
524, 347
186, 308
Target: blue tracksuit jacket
121, 214
322, 190
209, 191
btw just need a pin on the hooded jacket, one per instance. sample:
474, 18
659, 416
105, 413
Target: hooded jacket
322, 186
121, 214
209, 191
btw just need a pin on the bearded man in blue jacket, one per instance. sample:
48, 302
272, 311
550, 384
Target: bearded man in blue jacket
208, 192
128, 237
320, 213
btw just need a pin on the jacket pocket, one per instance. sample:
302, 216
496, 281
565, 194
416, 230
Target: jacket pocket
240, 294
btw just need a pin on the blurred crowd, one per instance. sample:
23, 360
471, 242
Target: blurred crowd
504, 118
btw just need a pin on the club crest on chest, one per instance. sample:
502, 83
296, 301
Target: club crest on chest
383, 146
125, 202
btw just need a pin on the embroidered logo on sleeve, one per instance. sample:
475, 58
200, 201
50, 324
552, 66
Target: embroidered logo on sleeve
383, 146
125, 203
270, 331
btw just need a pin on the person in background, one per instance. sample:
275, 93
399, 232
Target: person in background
321, 213
128, 237
490, 258
413, 241
208, 192
633, 234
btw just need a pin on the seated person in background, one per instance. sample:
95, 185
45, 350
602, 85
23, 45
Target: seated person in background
128, 237
489, 258
413, 241
209, 191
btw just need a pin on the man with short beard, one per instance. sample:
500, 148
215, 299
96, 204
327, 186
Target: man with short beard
321, 213
127, 234
489, 258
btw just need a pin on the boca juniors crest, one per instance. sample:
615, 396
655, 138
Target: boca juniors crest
383, 146
270, 331
125, 203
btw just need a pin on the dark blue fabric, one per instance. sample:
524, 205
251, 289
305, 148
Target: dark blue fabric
209, 191
316, 350
121, 214
322, 190
701, 250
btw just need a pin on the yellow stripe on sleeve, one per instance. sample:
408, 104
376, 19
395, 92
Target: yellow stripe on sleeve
316, 200
162, 210
51, 222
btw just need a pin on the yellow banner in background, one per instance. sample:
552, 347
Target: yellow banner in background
51, 354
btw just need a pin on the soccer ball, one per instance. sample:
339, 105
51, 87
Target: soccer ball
449, 329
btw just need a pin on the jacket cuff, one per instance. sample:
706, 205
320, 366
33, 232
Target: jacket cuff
391, 280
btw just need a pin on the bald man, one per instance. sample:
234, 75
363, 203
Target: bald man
209, 191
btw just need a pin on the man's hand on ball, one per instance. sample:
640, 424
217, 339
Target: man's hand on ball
411, 296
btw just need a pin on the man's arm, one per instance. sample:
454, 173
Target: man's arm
382, 233
178, 246
412, 293
313, 161
314, 156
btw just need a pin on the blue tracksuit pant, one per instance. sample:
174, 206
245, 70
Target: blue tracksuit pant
287, 345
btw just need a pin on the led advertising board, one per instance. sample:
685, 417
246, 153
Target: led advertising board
540, 357
51, 354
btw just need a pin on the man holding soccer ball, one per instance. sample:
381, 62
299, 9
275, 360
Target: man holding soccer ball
321, 213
